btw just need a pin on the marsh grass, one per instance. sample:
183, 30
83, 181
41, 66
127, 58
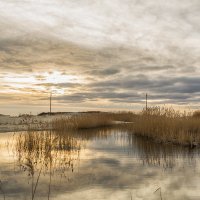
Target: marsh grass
44, 147
159, 123
159, 189
123, 116
196, 114
91, 120
47, 153
168, 125
82, 121
29, 166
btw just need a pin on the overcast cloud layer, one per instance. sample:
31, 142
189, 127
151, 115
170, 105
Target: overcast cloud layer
98, 54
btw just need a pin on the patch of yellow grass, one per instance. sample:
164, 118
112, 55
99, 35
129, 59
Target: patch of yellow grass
91, 120
123, 116
196, 114
45, 148
168, 125
82, 121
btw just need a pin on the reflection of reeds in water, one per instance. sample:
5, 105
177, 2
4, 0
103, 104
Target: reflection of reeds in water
58, 152
46, 152
90, 134
29, 166
159, 189
159, 154
58, 148
45, 147
148, 151
2, 191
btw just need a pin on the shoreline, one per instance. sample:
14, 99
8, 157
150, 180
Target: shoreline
24, 123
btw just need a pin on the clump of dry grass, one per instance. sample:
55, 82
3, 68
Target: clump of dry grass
123, 116
45, 152
168, 125
91, 120
46, 148
196, 114
82, 121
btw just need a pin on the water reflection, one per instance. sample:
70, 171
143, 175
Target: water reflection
163, 155
60, 151
45, 152
94, 164
46, 149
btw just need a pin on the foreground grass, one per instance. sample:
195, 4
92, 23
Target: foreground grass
168, 125
45, 153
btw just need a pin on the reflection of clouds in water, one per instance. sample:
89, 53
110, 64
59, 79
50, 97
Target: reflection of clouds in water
108, 170
142, 181
104, 181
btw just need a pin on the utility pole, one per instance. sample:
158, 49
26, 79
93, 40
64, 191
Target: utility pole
146, 101
50, 102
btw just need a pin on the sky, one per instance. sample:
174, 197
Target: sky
98, 54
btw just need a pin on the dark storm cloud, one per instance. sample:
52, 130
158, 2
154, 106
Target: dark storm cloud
164, 89
155, 84
104, 72
40, 54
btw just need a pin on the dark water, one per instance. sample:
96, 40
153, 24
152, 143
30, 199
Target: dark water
95, 164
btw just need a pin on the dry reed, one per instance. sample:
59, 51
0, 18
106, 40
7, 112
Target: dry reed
44, 149
91, 120
196, 114
168, 125
45, 152
82, 121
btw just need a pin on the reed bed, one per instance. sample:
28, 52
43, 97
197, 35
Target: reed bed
44, 148
196, 114
168, 125
123, 116
159, 123
46, 153
91, 120
82, 121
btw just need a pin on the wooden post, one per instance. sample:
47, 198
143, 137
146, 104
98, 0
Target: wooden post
50, 102
146, 102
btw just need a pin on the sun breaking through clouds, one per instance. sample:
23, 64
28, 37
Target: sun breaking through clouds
98, 54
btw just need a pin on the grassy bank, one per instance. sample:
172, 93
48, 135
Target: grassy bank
82, 121
91, 120
168, 125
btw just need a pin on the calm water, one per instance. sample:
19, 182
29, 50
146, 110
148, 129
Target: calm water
95, 164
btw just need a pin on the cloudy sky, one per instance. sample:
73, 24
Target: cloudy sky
98, 54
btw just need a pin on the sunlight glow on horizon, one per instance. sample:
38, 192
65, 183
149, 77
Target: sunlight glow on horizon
54, 78
27, 86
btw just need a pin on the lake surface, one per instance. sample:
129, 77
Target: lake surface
95, 164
